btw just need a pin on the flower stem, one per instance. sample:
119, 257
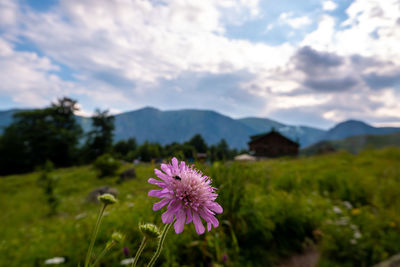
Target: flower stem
139, 252
94, 234
160, 245
105, 250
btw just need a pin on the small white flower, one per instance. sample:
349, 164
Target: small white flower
348, 205
357, 235
55, 260
354, 227
337, 210
127, 261
353, 241
343, 221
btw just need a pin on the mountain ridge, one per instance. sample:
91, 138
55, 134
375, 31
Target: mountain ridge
155, 125
354, 144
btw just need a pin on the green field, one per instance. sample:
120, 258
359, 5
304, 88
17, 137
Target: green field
346, 206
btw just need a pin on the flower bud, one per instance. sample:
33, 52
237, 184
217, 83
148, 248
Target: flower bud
117, 237
107, 199
149, 230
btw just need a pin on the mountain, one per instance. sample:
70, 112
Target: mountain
303, 134
354, 144
6, 118
180, 125
153, 125
353, 127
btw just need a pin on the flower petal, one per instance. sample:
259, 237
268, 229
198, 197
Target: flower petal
189, 217
182, 165
180, 221
166, 168
156, 193
216, 207
198, 224
157, 182
209, 218
174, 163
161, 175
208, 227
160, 204
168, 216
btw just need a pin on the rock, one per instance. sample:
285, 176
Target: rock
391, 262
92, 197
127, 175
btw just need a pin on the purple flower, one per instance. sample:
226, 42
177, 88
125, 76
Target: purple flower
126, 251
189, 196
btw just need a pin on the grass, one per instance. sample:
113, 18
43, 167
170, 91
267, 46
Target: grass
348, 206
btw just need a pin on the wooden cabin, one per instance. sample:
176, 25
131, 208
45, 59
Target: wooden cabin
272, 144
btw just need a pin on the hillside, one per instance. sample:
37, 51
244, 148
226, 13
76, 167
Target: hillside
353, 128
179, 126
355, 144
272, 209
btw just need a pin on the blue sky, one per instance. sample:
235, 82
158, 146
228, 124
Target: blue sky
313, 63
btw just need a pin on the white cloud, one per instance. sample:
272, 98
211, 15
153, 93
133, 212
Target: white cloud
322, 37
143, 41
299, 22
123, 53
8, 13
371, 30
29, 78
294, 22
329, 5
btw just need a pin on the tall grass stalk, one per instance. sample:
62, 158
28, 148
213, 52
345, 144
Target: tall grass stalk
94, 234
139, 252
160, 244
105, 250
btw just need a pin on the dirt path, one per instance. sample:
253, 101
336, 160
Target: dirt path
308, 258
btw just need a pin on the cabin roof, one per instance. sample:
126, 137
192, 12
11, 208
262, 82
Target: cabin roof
255, 138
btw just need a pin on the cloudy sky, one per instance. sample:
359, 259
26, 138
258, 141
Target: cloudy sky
310, 62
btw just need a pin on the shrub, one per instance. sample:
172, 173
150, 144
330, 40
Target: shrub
48, 181
106, 165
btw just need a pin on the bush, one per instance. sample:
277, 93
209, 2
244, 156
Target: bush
48, 182
106, 165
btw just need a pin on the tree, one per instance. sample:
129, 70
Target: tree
123, 147
198, 143
15, 156
100, 138
69, 131
39, 135
181, 151
221, 151
149, 151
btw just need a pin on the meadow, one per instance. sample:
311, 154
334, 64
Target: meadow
347, 207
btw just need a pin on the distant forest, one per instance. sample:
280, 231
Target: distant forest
53, 134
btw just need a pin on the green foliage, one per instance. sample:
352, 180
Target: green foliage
221, 151
106, 165
39, 135
345, 205
48, 182
198, 143
100, 138
180, 151
124, 148
149, 151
